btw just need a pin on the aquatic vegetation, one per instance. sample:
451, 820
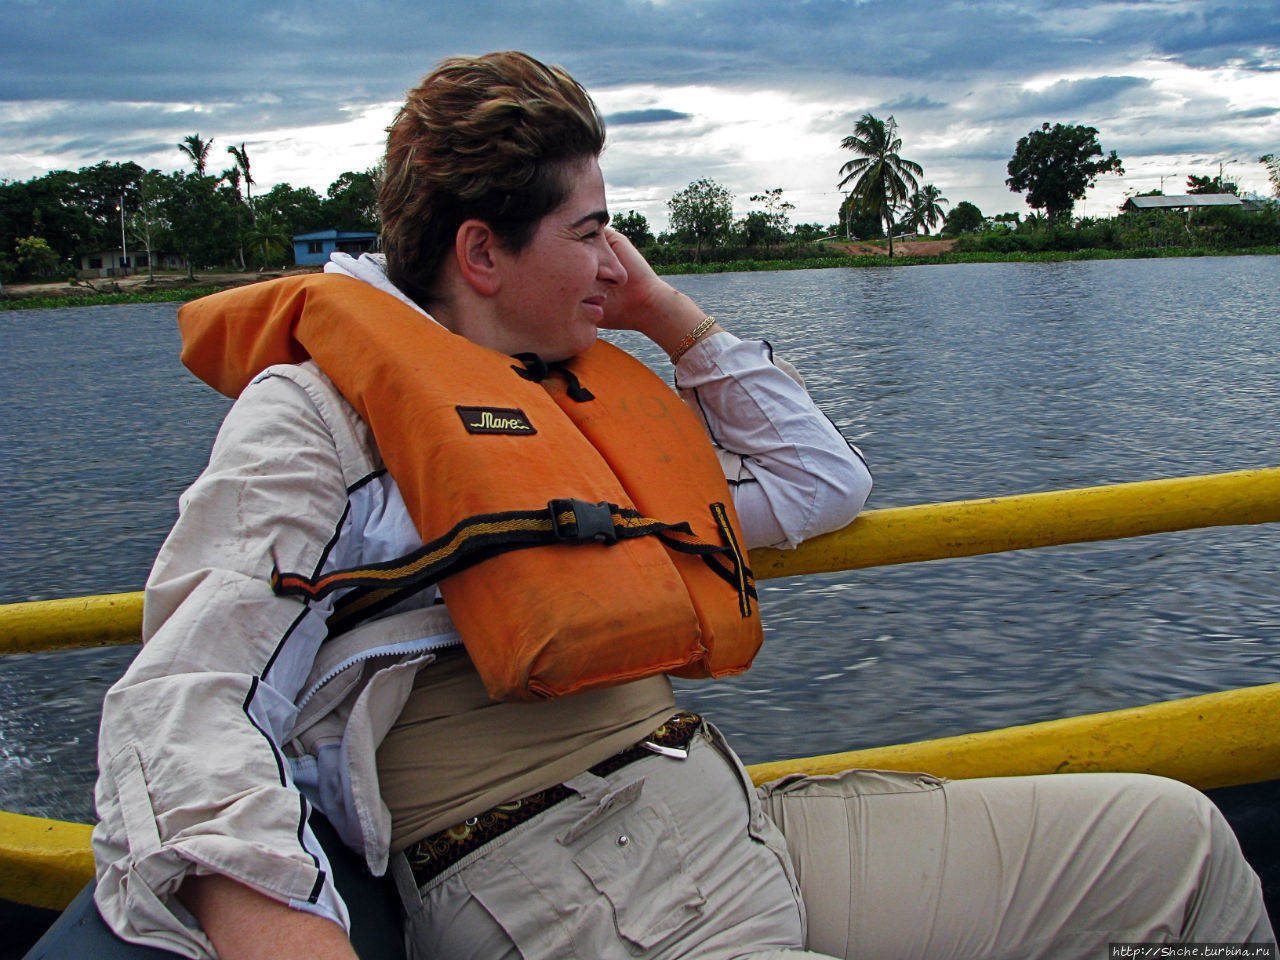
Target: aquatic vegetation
102, 299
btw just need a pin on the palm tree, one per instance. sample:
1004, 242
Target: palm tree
197, 151
911, 217
883, 179
242, 163
924, 210
269, 239
231, 176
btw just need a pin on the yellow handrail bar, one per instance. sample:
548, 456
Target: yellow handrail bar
75, 622
893, 535
1212, 740
965, 528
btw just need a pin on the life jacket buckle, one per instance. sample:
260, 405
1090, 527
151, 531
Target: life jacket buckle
592, 522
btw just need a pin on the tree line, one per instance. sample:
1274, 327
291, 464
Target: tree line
1054, 166
884, 196
215, 219
209, 219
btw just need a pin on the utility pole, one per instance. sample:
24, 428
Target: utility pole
1222, 165
124, 250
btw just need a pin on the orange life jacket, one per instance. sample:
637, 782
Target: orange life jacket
578, 542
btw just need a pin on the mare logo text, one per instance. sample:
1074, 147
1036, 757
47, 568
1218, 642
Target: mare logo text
495, 420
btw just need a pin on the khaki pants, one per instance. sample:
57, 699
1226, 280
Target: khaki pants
671, 858
896, 865
665, 858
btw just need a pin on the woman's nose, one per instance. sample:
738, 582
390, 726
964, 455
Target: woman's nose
611, 269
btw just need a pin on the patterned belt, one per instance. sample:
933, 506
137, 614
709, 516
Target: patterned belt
430, 857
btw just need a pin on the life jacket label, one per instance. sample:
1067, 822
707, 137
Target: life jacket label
495, 420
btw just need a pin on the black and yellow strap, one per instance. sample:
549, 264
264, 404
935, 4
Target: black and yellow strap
378, 586
732, 564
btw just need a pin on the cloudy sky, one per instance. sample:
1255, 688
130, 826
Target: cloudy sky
752, 93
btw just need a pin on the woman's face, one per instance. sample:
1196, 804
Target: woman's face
553, 291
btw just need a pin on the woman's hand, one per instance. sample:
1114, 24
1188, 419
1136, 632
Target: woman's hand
647, 303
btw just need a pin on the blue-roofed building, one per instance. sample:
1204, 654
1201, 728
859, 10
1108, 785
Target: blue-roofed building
315, 247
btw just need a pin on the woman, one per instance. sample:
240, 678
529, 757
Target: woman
538, 794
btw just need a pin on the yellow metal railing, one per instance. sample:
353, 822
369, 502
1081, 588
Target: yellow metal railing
1213, 740
965, 528
43, 863
932, 531
75, 622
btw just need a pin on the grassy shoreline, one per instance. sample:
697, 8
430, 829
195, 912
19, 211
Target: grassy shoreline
104, 299
183, 294
907, 260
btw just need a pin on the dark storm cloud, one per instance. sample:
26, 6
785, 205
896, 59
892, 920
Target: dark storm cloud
342, 53
1256, 114
910, 102
87, 131
1074, 100
1209, 34
635, 117
91, 80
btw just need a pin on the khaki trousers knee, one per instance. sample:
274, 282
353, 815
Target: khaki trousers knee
896, 865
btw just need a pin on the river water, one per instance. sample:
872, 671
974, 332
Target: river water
957, 381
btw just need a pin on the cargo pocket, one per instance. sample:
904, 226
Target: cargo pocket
637, 864
588, 880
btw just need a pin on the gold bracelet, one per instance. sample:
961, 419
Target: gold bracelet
692, 337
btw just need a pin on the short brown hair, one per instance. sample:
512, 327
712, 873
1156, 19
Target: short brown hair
485, 137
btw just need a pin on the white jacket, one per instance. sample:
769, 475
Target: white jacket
240, 711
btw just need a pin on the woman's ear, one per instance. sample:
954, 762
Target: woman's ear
475, 247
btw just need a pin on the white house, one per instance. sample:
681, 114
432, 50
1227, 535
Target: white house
114, 263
